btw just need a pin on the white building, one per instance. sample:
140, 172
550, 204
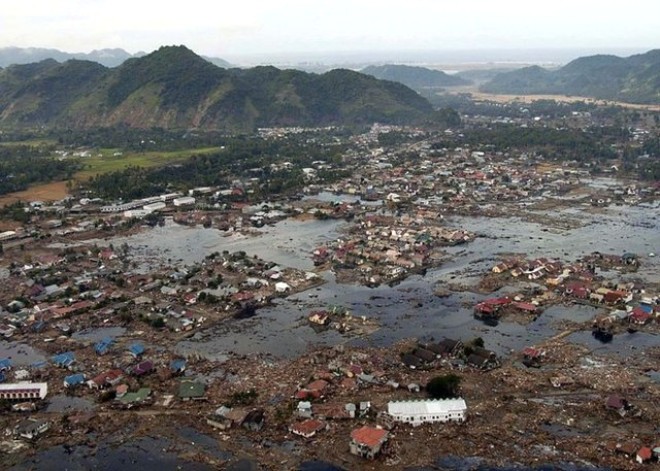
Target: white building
7, 235
184, 201
23, 391
282, 287
169, 196
427, 411
151, 207
136, 213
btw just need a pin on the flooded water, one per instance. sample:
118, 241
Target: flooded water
615, 230
624, 344
68, 404
148, 454
20, 354
289, 242
327, 197
319, 466
98, 334
453, 463
410, 309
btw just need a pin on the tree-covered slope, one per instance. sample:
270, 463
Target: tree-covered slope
175, 88
417, 78
635, 79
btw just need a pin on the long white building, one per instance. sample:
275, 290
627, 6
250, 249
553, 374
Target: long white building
23, 391
427, 411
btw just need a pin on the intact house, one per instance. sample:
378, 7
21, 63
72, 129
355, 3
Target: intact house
367, 442
192, 390
74, 380
64, 360
143, 368
308, 428
427, 411
106, 379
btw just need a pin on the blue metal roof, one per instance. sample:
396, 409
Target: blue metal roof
136, 349
103, 346
64, 359
74, 380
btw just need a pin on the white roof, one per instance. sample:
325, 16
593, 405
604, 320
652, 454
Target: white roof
423, 407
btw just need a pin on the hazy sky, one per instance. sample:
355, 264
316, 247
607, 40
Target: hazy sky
243, 27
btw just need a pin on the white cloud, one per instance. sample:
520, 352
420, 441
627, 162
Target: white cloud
250, 26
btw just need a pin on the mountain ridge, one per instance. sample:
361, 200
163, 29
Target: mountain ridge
634, 79
175, 88
417, 78
108, 57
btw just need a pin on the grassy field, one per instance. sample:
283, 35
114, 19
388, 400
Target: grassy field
501, 98
33, 142
107, 161
103, 162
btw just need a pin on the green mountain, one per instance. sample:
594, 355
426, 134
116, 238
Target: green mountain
634, 79
107, 57
478, 76
417, 78
175, 88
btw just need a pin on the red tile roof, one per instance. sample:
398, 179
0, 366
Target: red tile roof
369, 436
645, 453
318, 385
307, 427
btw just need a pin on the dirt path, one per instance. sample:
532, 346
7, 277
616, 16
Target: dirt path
46, 192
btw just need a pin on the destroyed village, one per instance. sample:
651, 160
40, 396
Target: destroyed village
465, 283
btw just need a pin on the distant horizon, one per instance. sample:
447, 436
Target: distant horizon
478, 57
302, 29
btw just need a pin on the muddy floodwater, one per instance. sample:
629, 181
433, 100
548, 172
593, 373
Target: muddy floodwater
289, 242
20, 354
69, 404
96, 335
411, 309
148, 454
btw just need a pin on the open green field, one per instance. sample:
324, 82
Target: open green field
32, 142
106, 160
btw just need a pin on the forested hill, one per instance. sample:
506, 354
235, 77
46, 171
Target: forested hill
417, 78
175, 88
635, 79
107, 57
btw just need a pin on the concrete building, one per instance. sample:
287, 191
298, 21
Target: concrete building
183, 201
151, 207
23, 391
367, 442
427, 411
